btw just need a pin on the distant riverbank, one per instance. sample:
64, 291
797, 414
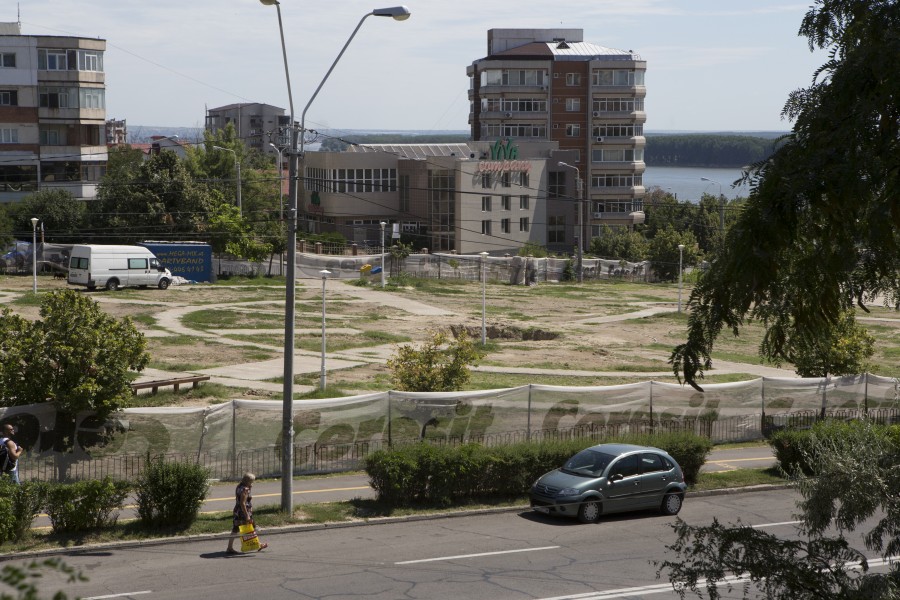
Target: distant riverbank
687, 183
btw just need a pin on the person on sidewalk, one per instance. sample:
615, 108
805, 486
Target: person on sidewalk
10, 453
243, 510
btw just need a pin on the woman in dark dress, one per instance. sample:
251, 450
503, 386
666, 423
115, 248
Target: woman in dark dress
243, 510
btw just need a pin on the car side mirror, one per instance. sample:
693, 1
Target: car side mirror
617, 477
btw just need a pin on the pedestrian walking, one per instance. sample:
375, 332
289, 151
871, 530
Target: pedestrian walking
243, 510
10, 453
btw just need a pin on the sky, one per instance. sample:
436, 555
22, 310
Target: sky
712, 65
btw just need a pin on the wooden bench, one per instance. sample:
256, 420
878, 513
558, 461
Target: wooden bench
175, 382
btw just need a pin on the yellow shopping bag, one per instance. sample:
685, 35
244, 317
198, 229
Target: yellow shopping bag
249, 538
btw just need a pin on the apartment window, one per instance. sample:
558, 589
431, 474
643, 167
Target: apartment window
505, 202
556, 229
505, 179
92, 171
617, 155
485, 204
523, 179
404, 193
90, 135
523, 202
52, 60
617, 130
523, 223
573, 130
9, 136
486, 180
92, 98
486, 227
504, 225
614, 180
8, 60
9, 98
573, 104
618, 104
54, 98
573, 78
514, 130
621, 77
556, 184
90, 60
52, 137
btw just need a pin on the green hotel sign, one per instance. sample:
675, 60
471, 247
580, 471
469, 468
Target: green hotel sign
504, 157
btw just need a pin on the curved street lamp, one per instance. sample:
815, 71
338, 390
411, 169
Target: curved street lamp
399, 13
579, 221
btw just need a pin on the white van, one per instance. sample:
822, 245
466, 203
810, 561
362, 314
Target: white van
112, 267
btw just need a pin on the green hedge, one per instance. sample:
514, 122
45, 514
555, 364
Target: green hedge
19, 505
85, 505
793, 447
171, 493
436, 475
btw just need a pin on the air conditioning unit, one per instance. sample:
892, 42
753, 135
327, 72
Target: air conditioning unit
507, 115
599, 140
596, 113
598, 215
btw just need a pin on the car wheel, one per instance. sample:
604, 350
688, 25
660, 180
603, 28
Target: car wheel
112, 285
671, 504
589, 512
163, 284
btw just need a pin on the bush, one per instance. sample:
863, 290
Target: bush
441, 475
171, 493
85, 505
19, 505
793, 448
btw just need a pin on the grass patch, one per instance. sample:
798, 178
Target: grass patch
213, 392
738, 478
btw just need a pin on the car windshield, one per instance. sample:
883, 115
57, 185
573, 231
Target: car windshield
588, 463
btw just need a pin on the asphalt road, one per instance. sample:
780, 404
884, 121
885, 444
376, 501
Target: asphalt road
500, 556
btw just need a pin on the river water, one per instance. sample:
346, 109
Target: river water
687, 183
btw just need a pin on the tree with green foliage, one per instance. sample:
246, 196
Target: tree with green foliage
853, 487
822, 225
60, 213
23, 580
76, 356
664, 255
533, 249
438, 365
154, 198
621, 243
839, 350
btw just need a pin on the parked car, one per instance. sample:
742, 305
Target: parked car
611, 478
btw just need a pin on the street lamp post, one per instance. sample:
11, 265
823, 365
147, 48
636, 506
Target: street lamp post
324, 273
383, 224
280, 179
287, 455
579, 221
34, 222
237, 166
680, 271
484, 256
721, 205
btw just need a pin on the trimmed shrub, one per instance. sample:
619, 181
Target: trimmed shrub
171, 493
439, 475
793, 448
85, 505
19, 505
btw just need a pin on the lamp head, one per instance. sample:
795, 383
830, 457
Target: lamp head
680, 246
324, 273
383, 224
34, 221
268, 2
398, 13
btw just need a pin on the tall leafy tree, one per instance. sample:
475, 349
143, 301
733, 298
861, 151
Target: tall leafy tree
822, 224
664, 255
61, 215
620, 242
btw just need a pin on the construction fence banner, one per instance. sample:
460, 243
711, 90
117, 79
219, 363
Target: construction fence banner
336, 434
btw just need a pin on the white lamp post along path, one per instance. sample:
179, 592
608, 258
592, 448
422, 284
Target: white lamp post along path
287, 452
680, 271
383, 224
484, 256
721, 205
280, 179
579, 221
34, 222
324, 273
237, 167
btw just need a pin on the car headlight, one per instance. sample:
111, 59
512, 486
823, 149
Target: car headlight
568, 492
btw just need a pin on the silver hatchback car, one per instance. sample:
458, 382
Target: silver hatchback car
611, 478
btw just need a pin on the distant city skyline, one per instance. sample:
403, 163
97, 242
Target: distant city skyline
711, 67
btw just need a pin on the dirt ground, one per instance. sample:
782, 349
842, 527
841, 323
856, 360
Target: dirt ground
624, 330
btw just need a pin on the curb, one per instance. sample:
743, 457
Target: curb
337, 525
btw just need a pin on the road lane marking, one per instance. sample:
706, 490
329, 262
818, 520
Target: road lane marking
124, 595
761, 525
440, 558
731, 460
